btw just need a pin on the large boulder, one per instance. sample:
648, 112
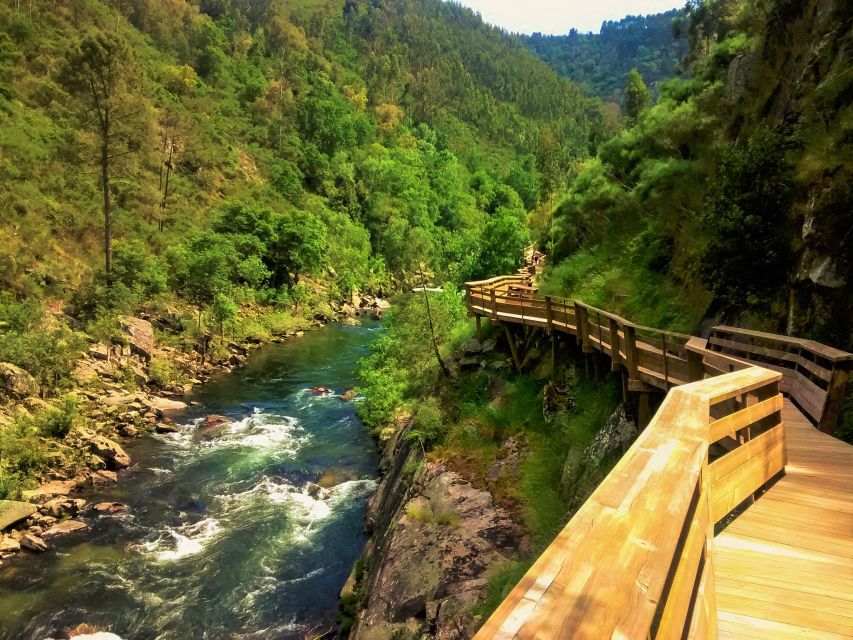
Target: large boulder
12, 512
140, 336
109, 450
16, 383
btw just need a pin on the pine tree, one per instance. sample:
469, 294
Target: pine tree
637, 96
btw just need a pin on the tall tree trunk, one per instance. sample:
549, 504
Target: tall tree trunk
105, 185
435, 348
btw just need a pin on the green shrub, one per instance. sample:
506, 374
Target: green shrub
163, 372
57, 422
428, 428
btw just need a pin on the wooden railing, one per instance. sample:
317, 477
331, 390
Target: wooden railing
636, 560
813, 375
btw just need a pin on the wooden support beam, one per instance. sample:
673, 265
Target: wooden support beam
494, 304
644, 410
513, 347
695, 366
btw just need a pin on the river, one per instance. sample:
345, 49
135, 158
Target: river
227, 535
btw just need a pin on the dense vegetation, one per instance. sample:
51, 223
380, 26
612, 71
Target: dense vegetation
227, 154
730, 195
602, 60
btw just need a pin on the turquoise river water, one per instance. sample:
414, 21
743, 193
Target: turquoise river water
228, 534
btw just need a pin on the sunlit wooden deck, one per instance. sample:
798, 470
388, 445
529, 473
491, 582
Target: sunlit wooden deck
784, 567
731, 516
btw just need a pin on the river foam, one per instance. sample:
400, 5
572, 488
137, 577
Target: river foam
175, 543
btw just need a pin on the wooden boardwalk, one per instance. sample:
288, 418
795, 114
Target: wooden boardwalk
729, 517
784, 568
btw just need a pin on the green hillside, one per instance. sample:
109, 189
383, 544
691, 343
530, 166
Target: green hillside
601, 61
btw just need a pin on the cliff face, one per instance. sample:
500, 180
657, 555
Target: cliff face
800, 82
435, 536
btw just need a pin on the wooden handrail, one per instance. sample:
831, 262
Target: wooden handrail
636, 559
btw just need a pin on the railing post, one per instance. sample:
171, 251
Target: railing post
549, 316
615, 358
665, 362
582, 321
834, 397
468, 302
695, 366
494, 304
631, 353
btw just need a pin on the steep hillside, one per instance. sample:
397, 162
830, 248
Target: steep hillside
730, 198
602, 60
393, 125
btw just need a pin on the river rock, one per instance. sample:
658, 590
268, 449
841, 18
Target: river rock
12, 511
49, 489
110, 507
65, 527
164, 404
140, 335
16, 383
98, 635
214, 420
58, 507
165, 427
33, 543
9, 545
107, 449
104, 476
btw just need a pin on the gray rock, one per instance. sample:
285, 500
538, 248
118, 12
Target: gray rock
110, 451
140, 335
12, 511
16, 383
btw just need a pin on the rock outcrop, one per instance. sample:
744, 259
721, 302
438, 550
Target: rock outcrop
16, 383
430, 570
140, 336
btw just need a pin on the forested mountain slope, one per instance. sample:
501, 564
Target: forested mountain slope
730, 198
601, 61
388, 132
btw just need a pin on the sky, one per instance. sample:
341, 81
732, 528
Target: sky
558, 16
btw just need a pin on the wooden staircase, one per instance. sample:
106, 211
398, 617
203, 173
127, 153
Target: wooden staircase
730, 516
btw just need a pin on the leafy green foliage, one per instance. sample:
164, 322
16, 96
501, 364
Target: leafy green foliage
44, 349
746, 261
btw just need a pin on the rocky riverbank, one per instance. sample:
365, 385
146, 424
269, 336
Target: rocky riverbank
119, 393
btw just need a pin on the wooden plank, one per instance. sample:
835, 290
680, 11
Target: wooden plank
740, 419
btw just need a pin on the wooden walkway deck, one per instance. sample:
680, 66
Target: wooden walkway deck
784, 568
730, 516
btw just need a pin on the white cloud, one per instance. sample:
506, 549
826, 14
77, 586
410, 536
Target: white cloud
558, 16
